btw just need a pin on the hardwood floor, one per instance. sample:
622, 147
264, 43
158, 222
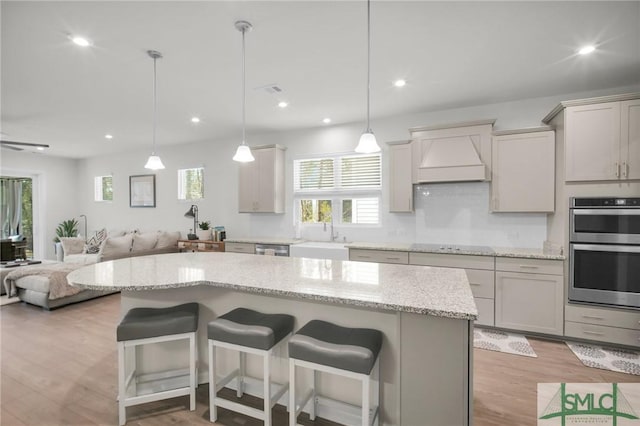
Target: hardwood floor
59, 368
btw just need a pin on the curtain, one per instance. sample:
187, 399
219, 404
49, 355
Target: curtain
11, 206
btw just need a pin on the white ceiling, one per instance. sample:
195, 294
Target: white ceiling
452, 54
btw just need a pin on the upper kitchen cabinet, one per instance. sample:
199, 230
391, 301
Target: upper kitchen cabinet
523, 170
452, 153
400, 177
261, 182
601, 137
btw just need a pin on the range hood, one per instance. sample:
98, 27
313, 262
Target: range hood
450, 160
455, 153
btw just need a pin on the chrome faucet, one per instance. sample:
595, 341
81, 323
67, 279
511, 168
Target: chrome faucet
332, 236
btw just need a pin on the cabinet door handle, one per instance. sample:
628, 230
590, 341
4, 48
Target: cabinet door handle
392, 258
529, 266
617, 170
595, 333
476, 284
625, 169
364, 257
595, 318
410, 208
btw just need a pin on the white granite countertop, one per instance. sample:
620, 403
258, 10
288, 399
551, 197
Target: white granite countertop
265, 240
460, 249
442, 292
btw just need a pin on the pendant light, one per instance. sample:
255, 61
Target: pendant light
243, 154
368, 142
154, 162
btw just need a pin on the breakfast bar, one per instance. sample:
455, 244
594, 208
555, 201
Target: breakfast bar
425, 313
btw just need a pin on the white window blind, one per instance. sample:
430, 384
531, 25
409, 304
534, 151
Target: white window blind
191, 184
344, 189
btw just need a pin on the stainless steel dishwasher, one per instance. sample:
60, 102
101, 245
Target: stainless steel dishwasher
273, 249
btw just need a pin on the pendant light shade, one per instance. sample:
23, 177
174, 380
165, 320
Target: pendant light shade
243, 153
368, 143
154, 162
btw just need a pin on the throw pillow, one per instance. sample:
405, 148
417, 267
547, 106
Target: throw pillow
145, 241
167, 239
116, 246
72, 245
94, 243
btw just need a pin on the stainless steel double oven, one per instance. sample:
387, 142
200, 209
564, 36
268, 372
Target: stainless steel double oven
604, 251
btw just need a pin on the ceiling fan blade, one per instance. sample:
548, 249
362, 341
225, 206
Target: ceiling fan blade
13, 148
35, 145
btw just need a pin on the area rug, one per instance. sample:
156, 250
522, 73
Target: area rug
614, 359
502, 341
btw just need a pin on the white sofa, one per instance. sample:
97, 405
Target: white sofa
34, 289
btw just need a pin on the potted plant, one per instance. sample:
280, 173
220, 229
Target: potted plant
204, 233
66, 228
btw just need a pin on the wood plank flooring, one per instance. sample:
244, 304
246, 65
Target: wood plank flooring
59, 368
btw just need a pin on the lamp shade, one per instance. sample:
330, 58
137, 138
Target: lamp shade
154, 163
367, 144
192, 212
243, 154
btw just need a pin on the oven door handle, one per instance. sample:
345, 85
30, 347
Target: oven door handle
606, 212
606, 247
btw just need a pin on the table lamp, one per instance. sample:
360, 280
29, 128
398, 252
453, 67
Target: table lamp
193, 212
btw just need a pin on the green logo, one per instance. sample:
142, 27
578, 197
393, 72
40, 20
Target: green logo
613, 405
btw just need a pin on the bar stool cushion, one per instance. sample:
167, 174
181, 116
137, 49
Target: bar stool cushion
352, 349
249, 328
142, 323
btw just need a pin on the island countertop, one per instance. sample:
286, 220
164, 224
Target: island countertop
441, 292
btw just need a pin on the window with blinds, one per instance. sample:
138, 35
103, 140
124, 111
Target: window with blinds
103, 188
342, 188
191, 184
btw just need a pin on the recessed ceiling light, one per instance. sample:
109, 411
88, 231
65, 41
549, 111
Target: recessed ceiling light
80, 41
326, 120
399, 83
40, 148
585, 50
195, 119
108, 136
283, 104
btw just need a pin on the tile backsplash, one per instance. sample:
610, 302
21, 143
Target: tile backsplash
458, 213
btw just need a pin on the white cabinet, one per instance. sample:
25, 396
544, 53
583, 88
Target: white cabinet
247, 248
261, 182
603, 141
480, 273
379, 256
523, 171
602, 324
400, 183
532, 297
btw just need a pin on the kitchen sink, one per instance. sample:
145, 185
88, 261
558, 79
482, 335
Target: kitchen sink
320, 250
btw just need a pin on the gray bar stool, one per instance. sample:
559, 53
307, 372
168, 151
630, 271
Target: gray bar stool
142, 326
248, 332
349, 352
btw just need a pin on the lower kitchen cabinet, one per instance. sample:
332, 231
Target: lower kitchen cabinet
379, 256
529, 302
248, 248
602, 324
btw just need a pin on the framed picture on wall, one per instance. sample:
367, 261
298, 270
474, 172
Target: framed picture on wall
142, 191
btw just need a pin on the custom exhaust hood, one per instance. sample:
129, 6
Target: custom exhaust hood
453, 154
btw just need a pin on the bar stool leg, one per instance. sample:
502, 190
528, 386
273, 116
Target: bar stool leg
292, 393
122, 415
242, 358
376, 395
213, 410
312, 409
267, 389
366, 386
192, 372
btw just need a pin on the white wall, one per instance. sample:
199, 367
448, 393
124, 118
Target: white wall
54, 193
221, 182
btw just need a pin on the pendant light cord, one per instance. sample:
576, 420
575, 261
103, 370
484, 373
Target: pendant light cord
155, 105
368, 63
243, 87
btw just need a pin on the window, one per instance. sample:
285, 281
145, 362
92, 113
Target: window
345, 188
103, 188
191, 184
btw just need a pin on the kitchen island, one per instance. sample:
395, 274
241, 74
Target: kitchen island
425, 314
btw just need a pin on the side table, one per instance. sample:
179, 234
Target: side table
200, 245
